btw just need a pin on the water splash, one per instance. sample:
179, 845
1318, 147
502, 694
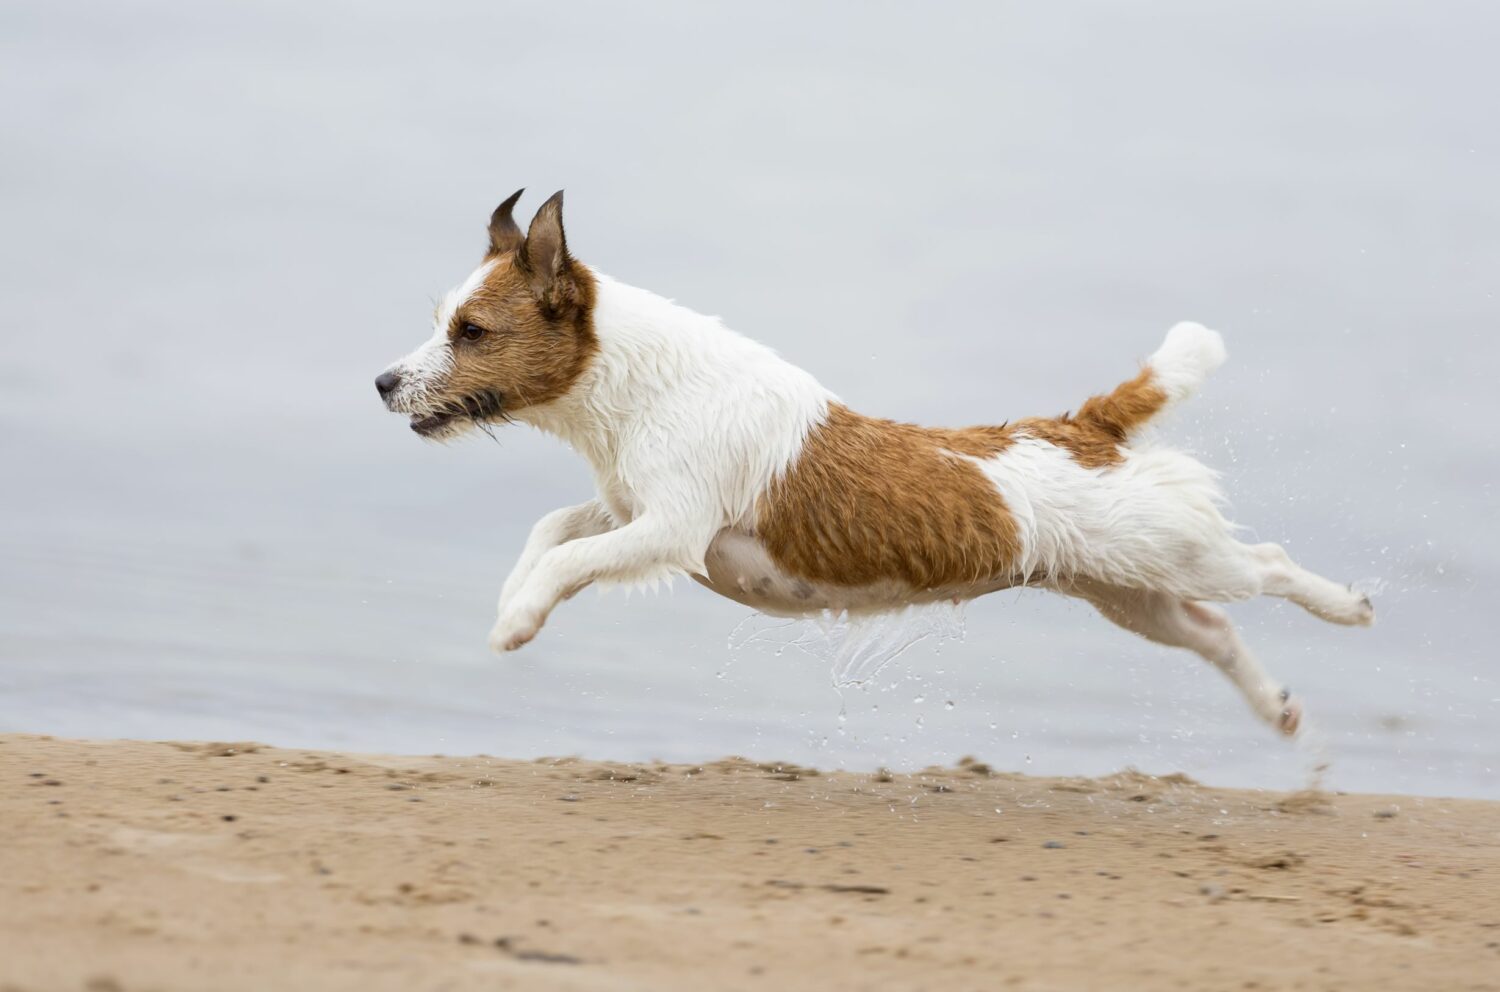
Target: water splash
856, 648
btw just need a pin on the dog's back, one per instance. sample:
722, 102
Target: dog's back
936, 513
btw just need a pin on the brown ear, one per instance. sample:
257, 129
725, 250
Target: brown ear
504, 234
544, 253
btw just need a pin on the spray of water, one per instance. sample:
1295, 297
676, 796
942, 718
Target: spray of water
855, 647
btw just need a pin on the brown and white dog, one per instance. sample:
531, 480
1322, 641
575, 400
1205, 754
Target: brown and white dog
715, 458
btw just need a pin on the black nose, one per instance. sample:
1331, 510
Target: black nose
387, 382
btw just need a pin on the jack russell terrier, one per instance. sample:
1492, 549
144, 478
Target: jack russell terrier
715, 458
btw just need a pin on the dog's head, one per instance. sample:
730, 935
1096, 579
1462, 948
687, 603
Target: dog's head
517, 333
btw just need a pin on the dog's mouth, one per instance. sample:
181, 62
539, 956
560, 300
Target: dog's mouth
432, 423
478, 409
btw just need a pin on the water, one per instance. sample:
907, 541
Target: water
220, 222
856, 648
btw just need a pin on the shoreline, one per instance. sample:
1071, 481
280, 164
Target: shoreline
172, 865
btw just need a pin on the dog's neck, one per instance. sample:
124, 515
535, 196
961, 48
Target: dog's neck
646, 343
660, 371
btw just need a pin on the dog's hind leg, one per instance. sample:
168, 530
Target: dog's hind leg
1205, 630
1280, 576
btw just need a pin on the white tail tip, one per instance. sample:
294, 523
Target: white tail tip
1190, 352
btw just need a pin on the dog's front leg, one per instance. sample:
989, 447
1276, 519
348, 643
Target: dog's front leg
558, 527
642, 550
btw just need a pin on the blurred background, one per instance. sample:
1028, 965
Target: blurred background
220, 221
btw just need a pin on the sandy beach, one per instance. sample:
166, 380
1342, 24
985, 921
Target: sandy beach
138, 865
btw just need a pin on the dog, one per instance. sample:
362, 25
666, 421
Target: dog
715, 458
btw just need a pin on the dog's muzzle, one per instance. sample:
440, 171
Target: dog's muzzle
388, 385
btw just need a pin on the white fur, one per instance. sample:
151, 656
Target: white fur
1150, 522
1185, 359
681, 415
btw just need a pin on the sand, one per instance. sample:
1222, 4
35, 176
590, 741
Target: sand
131, 865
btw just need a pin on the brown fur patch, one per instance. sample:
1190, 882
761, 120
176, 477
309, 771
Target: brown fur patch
1103, 424
873, 499
532, 349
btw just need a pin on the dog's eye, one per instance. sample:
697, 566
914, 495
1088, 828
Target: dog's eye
471, 332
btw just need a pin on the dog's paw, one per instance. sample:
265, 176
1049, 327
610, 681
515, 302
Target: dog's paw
1289, 719
1349, 607
512, 631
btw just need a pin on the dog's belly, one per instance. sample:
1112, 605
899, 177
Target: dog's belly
740, 568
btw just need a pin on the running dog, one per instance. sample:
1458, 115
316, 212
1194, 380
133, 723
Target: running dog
715, 458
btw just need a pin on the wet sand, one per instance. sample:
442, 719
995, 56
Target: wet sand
131, 865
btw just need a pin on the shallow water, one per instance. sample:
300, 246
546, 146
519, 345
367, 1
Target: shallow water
221, 223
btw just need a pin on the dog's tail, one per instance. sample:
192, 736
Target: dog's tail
1190, 352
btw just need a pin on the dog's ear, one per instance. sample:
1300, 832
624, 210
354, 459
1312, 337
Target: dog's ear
543, 256
504, 234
